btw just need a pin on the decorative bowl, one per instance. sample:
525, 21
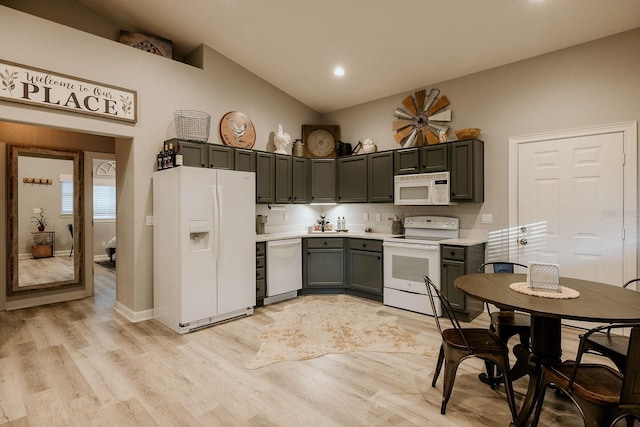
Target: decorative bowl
468, 133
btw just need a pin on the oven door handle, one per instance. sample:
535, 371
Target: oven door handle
432, 248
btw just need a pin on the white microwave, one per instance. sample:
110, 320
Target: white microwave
422, 189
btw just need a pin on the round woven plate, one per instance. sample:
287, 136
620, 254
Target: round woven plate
321, 143
565, 293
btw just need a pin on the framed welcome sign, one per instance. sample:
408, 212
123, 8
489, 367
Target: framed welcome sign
34, 86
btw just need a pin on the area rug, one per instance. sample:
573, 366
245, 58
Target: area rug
313, 326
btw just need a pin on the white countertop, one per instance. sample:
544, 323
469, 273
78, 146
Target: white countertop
300, 234
467, 241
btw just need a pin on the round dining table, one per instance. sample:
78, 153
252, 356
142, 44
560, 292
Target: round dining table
597, 302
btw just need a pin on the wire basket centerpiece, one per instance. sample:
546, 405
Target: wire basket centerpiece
544, 276
192, 125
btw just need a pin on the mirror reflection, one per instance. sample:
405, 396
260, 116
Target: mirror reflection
45, 216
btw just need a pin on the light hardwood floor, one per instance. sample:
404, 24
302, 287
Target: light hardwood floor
80, 364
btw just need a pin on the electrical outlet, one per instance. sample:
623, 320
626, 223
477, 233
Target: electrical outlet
36, 211
286, 216
366, 217
149, 220
487, 218
378, 217
104, 243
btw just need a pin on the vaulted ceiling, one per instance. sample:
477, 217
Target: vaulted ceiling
385, 47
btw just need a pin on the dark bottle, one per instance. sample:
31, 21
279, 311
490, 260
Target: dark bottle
178, 157
161, 158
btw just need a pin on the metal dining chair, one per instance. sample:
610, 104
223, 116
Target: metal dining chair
610, 345
506, 323
602, 394
460, 343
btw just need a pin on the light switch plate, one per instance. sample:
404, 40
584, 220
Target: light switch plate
378, 217
366, 216
487, 218
149, 220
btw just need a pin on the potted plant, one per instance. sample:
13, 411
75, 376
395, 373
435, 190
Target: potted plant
41, 220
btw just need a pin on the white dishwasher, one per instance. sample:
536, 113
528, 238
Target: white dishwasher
284, 269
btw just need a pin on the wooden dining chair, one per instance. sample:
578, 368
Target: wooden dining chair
610, 345
460, 343
602, 394
506, 323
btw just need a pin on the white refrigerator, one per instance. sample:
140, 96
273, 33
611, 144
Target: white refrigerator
203, 246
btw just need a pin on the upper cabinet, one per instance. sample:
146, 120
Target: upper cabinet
323, 180
431, 158
220, 156
265, 177
434, 158
301, 180
380, 171
352, 179
283, 179
467, 170
245, 160
407, 161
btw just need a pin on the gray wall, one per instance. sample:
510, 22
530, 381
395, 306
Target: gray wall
591, 84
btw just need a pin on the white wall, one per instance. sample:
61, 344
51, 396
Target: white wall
163, 86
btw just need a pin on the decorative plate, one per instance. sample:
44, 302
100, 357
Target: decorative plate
421, 119
236, 130
321, 143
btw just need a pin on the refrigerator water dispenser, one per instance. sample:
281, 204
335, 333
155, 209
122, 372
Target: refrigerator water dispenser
199, 235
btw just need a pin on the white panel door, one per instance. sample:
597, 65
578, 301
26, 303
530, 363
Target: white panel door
570, 204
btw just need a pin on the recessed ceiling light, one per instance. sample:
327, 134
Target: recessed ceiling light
338, 71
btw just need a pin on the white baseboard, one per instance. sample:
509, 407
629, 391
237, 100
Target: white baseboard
133, 316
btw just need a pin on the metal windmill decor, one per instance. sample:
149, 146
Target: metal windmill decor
422, 120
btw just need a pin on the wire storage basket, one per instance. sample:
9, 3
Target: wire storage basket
192, 125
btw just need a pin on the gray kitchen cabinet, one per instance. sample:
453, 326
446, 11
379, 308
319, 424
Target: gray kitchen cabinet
365, 268
245, 160
261, 272
434, 158
467, 170
323, 180
283, 171
265, 177
220, 156
352, 179
457, 261
323, 266
301, 178
193, 153
407, 161
380, 177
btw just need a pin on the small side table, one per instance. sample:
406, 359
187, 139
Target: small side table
45, 247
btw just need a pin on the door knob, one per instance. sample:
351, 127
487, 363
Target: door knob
523, 241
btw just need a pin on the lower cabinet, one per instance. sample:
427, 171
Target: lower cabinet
335, 265
365, 268
457, 261
261, 272
323, 266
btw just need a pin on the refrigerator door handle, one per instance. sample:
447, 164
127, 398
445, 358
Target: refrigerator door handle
219, 220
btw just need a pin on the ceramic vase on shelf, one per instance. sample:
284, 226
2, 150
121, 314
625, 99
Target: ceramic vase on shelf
41, 228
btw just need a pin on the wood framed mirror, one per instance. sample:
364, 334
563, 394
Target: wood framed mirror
44, 189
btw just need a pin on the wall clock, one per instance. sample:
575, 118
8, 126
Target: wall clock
236, 130
422, 119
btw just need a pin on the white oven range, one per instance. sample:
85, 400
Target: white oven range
407, 259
